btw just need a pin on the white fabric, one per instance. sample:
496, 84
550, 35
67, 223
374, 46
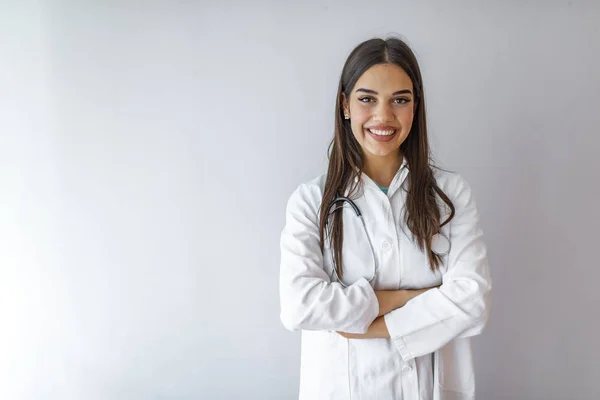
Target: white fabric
428, 356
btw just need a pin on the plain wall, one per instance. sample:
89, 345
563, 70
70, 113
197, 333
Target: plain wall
147, 151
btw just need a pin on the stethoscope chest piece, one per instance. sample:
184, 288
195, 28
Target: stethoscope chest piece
440, 244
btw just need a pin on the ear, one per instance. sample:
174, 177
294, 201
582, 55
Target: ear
345, 107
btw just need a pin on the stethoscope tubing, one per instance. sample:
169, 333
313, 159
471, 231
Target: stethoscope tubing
439, 240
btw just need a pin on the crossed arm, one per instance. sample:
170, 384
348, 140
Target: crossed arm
389, 300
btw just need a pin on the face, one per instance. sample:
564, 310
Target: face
381, 109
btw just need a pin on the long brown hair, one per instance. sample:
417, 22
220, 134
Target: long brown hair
422, 213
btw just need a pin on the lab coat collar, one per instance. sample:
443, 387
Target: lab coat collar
397, 181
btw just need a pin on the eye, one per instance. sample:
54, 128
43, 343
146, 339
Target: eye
402, 100
362, 99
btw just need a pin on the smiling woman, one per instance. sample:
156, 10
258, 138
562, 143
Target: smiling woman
383, 264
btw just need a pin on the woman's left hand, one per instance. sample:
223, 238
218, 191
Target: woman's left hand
378, 329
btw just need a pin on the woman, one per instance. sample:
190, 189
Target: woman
387, 300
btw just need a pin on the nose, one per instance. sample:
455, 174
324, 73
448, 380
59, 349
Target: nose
384, 113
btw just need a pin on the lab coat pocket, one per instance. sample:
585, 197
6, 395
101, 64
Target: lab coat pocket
324, 366
453, 364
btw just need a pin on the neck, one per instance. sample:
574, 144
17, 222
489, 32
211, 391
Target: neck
382, 169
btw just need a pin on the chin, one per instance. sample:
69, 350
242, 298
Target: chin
382, 152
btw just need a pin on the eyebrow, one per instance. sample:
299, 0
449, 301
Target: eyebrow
374, 92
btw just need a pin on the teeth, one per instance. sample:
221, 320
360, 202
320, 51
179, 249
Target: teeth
382, 133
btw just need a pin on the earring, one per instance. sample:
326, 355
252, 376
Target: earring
346, 116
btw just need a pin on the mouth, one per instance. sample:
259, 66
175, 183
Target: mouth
382, 135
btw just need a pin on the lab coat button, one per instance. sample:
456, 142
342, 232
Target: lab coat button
386, 245
406, 369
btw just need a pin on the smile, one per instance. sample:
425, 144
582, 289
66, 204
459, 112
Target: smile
382, 135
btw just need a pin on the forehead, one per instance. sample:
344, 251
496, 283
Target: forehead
384, 78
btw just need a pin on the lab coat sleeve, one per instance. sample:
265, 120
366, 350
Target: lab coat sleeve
460, 306
309, 300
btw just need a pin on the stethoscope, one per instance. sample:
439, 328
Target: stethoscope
440, 243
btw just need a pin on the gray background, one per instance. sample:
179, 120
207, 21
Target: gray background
147, 150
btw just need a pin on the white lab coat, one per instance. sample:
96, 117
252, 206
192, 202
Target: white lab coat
428, 356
